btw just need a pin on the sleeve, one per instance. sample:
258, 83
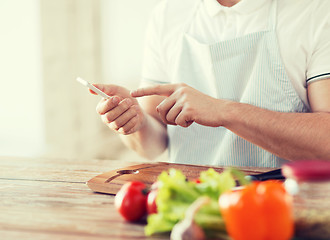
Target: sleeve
319, 64
153, 68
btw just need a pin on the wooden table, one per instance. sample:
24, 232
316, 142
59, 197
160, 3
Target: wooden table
48, 199
44, 198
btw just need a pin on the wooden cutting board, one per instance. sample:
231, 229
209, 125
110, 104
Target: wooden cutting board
111, 182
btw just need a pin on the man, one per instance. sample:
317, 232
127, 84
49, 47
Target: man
230, 82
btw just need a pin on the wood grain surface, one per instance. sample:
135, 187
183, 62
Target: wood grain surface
49, 199
44, 198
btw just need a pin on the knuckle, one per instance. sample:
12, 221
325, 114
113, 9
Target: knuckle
126, 103
111, 89
135, 109
170, 119
181, 86
134, 120
141, 91
108, 104
184, 99
160, 108
188, 109
132, 112
182, 91
185, 90
157, 88
114, 89
129, 127
181, 122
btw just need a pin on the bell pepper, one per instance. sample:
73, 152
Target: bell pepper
258, 211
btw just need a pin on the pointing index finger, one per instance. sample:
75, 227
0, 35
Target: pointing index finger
162, 90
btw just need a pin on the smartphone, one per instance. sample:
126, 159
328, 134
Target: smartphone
91, 87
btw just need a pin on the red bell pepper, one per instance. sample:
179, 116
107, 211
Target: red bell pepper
258, 211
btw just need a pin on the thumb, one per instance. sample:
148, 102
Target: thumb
111, 90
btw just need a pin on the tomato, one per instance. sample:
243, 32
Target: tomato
259, 211
197, 180
131, 201
151, 202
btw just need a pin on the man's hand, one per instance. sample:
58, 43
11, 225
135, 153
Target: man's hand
120, 112
184, 105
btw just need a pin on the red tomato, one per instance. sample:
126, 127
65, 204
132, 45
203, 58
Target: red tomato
197, 180
259, 211
151, 201
131, 201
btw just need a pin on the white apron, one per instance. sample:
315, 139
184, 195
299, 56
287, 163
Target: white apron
247, 69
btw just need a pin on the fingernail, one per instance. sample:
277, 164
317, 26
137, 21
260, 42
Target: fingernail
133, 93
128, 101
115, 100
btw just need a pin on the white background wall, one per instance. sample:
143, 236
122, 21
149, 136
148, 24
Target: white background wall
21, 105
44, 44
123, 31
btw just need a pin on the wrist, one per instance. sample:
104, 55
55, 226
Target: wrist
228, 113
144, 122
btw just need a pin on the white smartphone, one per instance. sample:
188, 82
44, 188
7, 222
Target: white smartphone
91, 87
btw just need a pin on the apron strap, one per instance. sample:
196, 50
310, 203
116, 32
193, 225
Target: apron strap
272, 16
192, 15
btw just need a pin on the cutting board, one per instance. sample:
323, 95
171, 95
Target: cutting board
111, 182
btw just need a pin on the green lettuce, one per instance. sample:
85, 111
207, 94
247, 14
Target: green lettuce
176, 194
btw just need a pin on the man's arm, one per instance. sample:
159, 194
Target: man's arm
319, 96
291, 136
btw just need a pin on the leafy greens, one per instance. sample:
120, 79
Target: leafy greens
176, 194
